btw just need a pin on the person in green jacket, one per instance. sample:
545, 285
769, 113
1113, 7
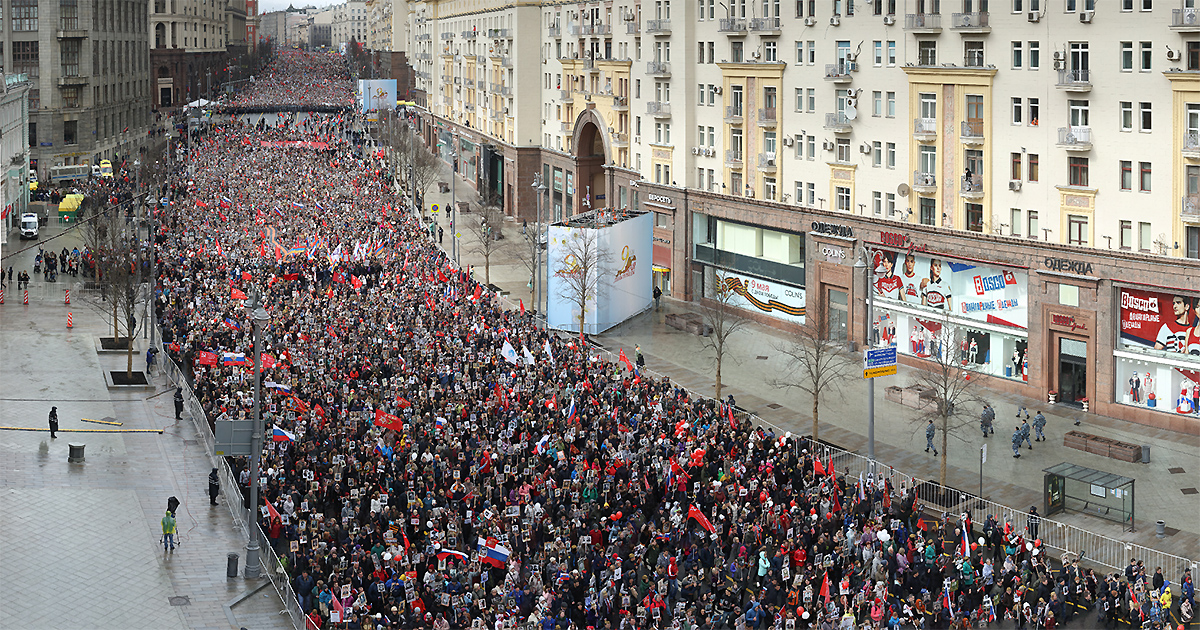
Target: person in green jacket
168, 529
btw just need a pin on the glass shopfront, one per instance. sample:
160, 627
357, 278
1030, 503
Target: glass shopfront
917, 296
1158, 351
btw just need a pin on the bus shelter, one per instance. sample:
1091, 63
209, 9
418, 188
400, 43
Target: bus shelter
1068, 486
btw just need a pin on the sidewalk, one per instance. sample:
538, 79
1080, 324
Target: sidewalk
1163, 487
80, 541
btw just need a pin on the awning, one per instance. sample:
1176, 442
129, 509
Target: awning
661, 269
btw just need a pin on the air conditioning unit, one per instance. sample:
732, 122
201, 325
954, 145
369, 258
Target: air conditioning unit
827, 145
1085, 17
1058, 55
770, 161
835, 20
864, 148
695, 150
788, 141
889, 20
710, 152
750, 193
637, 139
1034, 16
717, 89
1014, 184
810, 21
1172, 55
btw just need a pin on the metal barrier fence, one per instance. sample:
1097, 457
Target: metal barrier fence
272, 566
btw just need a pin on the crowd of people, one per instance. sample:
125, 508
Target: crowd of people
438, 461
299, 78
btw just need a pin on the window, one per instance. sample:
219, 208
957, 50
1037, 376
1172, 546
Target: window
1035, 109
1077, 229
70, 97
843, 149
812, 52
735, 52
1144, 238
927, 53
927, 159
877, 203
799, 53
842, 196
1126, 56
878, 47
891, 54
1032, 223
24, 15
891, 155
70, 132
876, 154
891, 203
70, 57
1146, 56
1147, 5
1016, 6
927, 105
1146, 117
877, 104
928, 208
769, 188
799, 99
812, 99
25, 61
1077, 168
1017, 56
662, 133
799, 147
1126, 5
1126, 120
1016, 167
812, 149
799, 193
712, 50
811, 189
891, 104
1193, 55
1126, 175
1126, 235
1035, 55
1016, 110
1033, 167
771, 51
1144, 176
68, 14
1014, 222
973, 54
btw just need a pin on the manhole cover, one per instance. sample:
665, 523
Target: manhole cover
774, 406
1175, 471
761, 357
1190, 491
190, 442
180, 600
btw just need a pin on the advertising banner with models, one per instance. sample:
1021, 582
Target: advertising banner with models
1158, 356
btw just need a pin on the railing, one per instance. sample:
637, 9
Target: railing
499, 33
764, 24
1074, 136
470, 83
602, 29
733, 113
658, 108
839, 70
424, 37
620, 139
732, 25
925, 126
658, 68
68, 23
766, 160
632, 28
918, 21
767, 115
977, 19
733, 156
972, 184
1186, 18
658, 26
620, 102
834, 120
585, 29
1191, 141
554, 31
447, 35
972, 129
921, 178
1190, 208
567, 126
469, 34
1075, 76
573, 29
506, 61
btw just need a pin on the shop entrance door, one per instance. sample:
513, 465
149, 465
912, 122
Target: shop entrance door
838, 315
1072, 370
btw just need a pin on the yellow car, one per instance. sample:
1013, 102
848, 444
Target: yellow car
106, 169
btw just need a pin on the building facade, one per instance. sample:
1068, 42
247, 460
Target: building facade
14, 148
191, 48
88, 63
349, 23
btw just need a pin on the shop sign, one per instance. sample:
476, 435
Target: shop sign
1062, 320
659, 239
1162, 321
832, 229
899, 241
833, 254
1066, 265
969, 291
659, 199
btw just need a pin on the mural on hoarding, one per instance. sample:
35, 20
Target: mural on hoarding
992, 295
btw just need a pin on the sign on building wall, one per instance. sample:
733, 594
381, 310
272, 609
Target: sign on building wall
986, 294
768, 297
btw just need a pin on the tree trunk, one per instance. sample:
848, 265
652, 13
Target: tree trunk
718, 376
942, 468
487, 269
116, 331
815, 428
129, 362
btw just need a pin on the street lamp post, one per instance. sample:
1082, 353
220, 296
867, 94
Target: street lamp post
453, 200
868, 277
258, 317
539, 188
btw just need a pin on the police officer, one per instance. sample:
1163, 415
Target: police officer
985, 420
930, 430
178, 403
1025, 432
1016, 441
1039, 426
214, 487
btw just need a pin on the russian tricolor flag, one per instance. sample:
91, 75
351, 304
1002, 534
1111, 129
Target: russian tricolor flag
540, 447
297, 204
966, 543
233, 358
277, 386
280, 434
450, 553
571, 411
279, 211
440, 422
226, 202
232, 325
493, 553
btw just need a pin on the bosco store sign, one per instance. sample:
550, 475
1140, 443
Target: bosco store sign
975, 292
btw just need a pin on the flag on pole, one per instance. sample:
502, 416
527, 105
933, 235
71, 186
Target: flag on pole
549, 352
509, 353
528, 355
694, 512
279, 434
233, 358
236, 294
571, 411
522, 302
206, 358
388, 421
818, 467
624, 359
825, 588
493, 553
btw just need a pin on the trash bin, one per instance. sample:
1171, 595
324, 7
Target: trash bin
1160, 529
75, 455
1145, 453
231, 567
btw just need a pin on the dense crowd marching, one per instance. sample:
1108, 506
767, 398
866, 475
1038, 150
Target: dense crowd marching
438, 461
299, 78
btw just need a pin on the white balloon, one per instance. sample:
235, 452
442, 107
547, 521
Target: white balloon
981, 540
387, 556
884, 536
1028, 546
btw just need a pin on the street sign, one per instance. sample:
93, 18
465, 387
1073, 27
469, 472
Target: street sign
983, 451
879, 362
434, 209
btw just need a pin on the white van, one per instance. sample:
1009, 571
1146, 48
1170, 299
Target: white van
29, 225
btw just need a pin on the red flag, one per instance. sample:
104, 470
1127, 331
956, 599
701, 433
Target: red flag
246, 276
291, 276
829, 467
268, 361
404, 404
442, 276
825, 588
237, 294
522, 306
388, 421
356, 282
478, 292
201, 204
339, 607
837, 501
818, 468
206, 358
921, 524
624, 359
694, 512
273, 514
552, 404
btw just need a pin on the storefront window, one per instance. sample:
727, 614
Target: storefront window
1158, 352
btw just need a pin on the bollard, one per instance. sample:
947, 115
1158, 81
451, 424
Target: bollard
1, 296
231, 566
26, 297
1145, 453
75, 456
68, 299
69, 324
1160, 529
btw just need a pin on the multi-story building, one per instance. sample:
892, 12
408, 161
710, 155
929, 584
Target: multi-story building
14, 149
191, 41
88, 63
320, 30
986, 149
350, 23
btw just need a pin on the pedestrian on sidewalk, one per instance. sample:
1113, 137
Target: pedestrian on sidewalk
1016, 441
1039, 426
930, 431
657, 298
168, 530
53, 421
1022, 409
1025, 433
214, 487
178, 403
641, 360
985, 420
441, 233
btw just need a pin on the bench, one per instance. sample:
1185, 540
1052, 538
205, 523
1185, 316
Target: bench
1107, 447
689, 322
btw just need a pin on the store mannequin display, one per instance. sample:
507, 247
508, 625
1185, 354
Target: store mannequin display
1135, 388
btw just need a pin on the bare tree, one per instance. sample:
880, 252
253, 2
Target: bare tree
580, 263
723, 320
816, 365
426, 169
113, 242
487, 227
953, 389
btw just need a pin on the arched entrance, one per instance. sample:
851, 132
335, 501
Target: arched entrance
591, 154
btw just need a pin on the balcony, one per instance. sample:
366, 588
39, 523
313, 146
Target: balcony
1185, 20
837, 122
1191, 145
574, 29
658, 109
839, 72
925, 129
975, 22
506, 61
457, 80
620, 103
972, 132
658, 69
471, 83
554, 31
586, 29
68, 28
567, 126
732, 26
1075, 80
603, 30
733, 158
971, 187
632, 28
924, 183
1189, 210
767, 117
923, 23
767, 162
424, 37
620, 139
765, 25
733, 114
1075, 138
566, 96
447, 36
469, 107
499, 33
72, 81
658, 27
469, 34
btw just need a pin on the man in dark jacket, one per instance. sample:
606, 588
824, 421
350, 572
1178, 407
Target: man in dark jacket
214, 487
